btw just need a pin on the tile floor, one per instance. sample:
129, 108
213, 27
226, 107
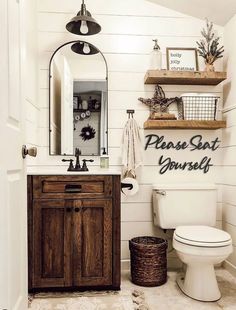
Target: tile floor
165, 297
169, 296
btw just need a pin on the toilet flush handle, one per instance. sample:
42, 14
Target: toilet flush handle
163, 193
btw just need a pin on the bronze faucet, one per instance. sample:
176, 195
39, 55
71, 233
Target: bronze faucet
77, 166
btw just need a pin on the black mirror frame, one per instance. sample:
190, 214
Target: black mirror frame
49, 93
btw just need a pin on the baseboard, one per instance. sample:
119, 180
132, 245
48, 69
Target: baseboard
125, 264
229, 267
22, 303
174, 264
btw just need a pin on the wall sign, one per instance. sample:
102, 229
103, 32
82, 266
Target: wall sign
182, 59
195, 143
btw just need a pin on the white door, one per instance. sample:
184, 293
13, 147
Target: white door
67, 121
13, 215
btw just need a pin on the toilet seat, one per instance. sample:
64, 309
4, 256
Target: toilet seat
202, 236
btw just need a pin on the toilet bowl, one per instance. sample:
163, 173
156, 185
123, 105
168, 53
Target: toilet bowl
191, 210
200, 248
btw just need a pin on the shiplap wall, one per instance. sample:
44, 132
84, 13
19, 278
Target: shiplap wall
229, 140
31, 83
126, 41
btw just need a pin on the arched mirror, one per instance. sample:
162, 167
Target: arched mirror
78, 84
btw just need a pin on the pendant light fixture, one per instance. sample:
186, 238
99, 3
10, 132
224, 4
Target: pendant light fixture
83, 24
84, 48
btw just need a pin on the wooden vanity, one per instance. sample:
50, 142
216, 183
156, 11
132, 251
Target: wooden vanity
74, 232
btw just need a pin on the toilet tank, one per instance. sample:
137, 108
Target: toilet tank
184, 204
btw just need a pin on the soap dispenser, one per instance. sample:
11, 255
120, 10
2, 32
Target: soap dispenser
104, 159
156, 57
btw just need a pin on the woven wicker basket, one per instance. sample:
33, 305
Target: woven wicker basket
148, 261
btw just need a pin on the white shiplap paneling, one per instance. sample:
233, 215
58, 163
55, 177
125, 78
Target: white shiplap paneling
31, 79
126, 41
229, 140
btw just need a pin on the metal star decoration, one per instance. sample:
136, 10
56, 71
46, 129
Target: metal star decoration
159, 103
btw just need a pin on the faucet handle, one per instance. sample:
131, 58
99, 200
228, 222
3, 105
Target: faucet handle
71, 167
84, 167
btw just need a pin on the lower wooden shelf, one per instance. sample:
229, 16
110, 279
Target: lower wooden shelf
184, 124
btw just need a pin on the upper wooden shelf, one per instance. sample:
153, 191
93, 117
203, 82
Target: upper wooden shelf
184, 124
184, 77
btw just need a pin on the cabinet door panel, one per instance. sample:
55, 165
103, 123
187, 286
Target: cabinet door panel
51, 242
93, 243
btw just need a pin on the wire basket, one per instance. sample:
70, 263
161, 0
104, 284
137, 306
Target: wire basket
198, 108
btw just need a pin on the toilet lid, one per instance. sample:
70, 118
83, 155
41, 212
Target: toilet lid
203, 236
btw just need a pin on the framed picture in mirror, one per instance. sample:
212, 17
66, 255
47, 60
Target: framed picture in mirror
75, 102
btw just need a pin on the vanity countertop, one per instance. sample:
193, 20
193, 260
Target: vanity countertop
63, 171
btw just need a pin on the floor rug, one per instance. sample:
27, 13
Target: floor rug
125, 300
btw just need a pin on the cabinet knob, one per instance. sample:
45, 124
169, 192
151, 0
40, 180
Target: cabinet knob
68, 210
77, 209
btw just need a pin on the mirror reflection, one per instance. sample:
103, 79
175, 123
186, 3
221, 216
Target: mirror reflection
78, 100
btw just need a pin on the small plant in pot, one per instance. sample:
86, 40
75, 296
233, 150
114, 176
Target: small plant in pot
209, 48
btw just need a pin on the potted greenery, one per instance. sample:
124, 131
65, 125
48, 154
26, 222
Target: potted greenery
208, 48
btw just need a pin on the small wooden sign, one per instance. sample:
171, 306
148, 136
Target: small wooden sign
162, 116
181, 59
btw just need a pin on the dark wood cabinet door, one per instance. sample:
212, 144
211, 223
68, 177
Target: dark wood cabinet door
52, 231
92, 243
74, 238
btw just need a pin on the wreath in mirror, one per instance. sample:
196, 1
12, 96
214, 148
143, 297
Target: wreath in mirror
87, 133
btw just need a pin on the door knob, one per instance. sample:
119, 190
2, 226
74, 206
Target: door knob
32, 151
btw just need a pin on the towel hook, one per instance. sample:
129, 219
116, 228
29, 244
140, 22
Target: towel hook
130, 112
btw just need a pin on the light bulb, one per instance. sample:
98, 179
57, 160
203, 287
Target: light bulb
84, 27
86, 48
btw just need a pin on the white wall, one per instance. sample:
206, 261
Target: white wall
229, 139
126, 41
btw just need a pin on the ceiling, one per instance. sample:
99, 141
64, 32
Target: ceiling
217, 11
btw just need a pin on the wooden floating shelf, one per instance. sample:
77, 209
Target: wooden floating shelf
184, 124
184, 77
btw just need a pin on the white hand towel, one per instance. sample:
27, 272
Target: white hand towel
131, 148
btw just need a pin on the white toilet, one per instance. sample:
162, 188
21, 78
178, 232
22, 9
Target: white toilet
190, 209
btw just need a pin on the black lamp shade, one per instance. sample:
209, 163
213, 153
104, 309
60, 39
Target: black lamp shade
78, 48
74, 26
